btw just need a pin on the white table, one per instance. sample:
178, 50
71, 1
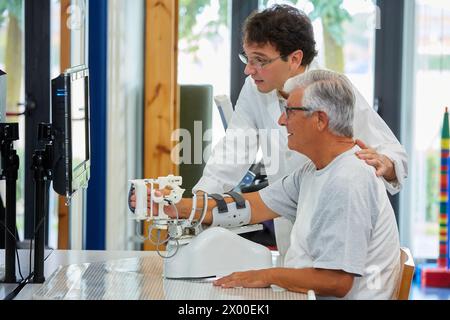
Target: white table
59, 258
126, 275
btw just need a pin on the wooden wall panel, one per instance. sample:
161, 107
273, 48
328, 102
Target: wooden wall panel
161, 89
63, 210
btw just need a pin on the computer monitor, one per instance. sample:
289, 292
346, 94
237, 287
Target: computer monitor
2, 97
2, 116
71, 124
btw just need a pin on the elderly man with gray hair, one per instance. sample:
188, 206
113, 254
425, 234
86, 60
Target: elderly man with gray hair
344, 243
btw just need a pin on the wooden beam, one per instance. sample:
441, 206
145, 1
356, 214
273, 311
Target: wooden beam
63, 210
65, 36
161, 89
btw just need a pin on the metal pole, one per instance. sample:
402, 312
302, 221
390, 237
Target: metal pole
39, 219
10, 164
10, 234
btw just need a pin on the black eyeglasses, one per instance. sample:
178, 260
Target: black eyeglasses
257, 63
288, 110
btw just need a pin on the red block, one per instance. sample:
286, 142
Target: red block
438, 278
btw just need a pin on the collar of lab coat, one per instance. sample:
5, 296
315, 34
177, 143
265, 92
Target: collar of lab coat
275, 100
292, 83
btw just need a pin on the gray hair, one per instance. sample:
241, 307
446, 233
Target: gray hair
332, 93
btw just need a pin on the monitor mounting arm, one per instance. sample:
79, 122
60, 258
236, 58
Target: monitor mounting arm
9, 132
42, 167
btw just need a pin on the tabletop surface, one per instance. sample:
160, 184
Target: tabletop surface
125, 275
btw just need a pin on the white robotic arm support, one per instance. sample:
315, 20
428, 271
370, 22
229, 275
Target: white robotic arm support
181, 231
140, 186
231, 215
140, 191
234, 217
174, 183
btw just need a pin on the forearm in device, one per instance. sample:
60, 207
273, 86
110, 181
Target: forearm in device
260, 212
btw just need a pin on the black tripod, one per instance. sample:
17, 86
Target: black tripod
42, 167
9, 132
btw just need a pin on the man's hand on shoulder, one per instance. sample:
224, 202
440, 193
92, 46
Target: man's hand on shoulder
384, 166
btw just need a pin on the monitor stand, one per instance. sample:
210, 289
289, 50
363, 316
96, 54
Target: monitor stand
9, 132
42, 167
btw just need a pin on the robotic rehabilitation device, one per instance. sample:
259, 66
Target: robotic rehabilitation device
192, 250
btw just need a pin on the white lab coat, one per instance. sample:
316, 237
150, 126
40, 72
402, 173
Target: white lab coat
255, 110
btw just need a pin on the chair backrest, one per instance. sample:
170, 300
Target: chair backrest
406, 274
225, 108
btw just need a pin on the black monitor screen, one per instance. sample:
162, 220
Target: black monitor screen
2, 104
70, 121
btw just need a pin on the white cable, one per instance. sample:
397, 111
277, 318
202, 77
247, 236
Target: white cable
171, 256
158, 243
205, 207
140, 236
194, 208
205, 210
176, 209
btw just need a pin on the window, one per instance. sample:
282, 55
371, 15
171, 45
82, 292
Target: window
77, 23
204, 49
12, 62
431, 77
350, 47
125, 111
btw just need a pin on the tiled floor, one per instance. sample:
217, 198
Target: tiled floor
418, 293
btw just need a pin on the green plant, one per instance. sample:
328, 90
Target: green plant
13, 7
333, 17
189, 12
11, 17
11, 14
432, 186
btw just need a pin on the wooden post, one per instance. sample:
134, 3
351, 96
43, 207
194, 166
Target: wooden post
161, 89
63, 210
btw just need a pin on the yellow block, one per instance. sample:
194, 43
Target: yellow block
445, 144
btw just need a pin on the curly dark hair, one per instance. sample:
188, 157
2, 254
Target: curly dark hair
285, 27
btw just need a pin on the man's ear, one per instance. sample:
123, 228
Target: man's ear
297, 59
322, 121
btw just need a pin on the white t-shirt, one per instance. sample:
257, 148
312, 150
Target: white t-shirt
343, 220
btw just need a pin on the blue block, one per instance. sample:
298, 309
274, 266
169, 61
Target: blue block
418, 272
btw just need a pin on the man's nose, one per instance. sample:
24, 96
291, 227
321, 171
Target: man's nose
249, 70
283, 119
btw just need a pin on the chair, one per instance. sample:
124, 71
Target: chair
406, 274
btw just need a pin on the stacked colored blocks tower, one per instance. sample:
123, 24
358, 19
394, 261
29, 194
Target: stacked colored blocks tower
443, 212
440, 276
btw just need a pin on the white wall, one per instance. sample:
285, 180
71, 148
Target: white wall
126, 30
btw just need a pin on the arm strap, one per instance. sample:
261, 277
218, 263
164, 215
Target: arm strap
239, 199
221, 204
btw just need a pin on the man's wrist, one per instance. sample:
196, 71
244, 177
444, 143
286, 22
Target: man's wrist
390, 175
270, 276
